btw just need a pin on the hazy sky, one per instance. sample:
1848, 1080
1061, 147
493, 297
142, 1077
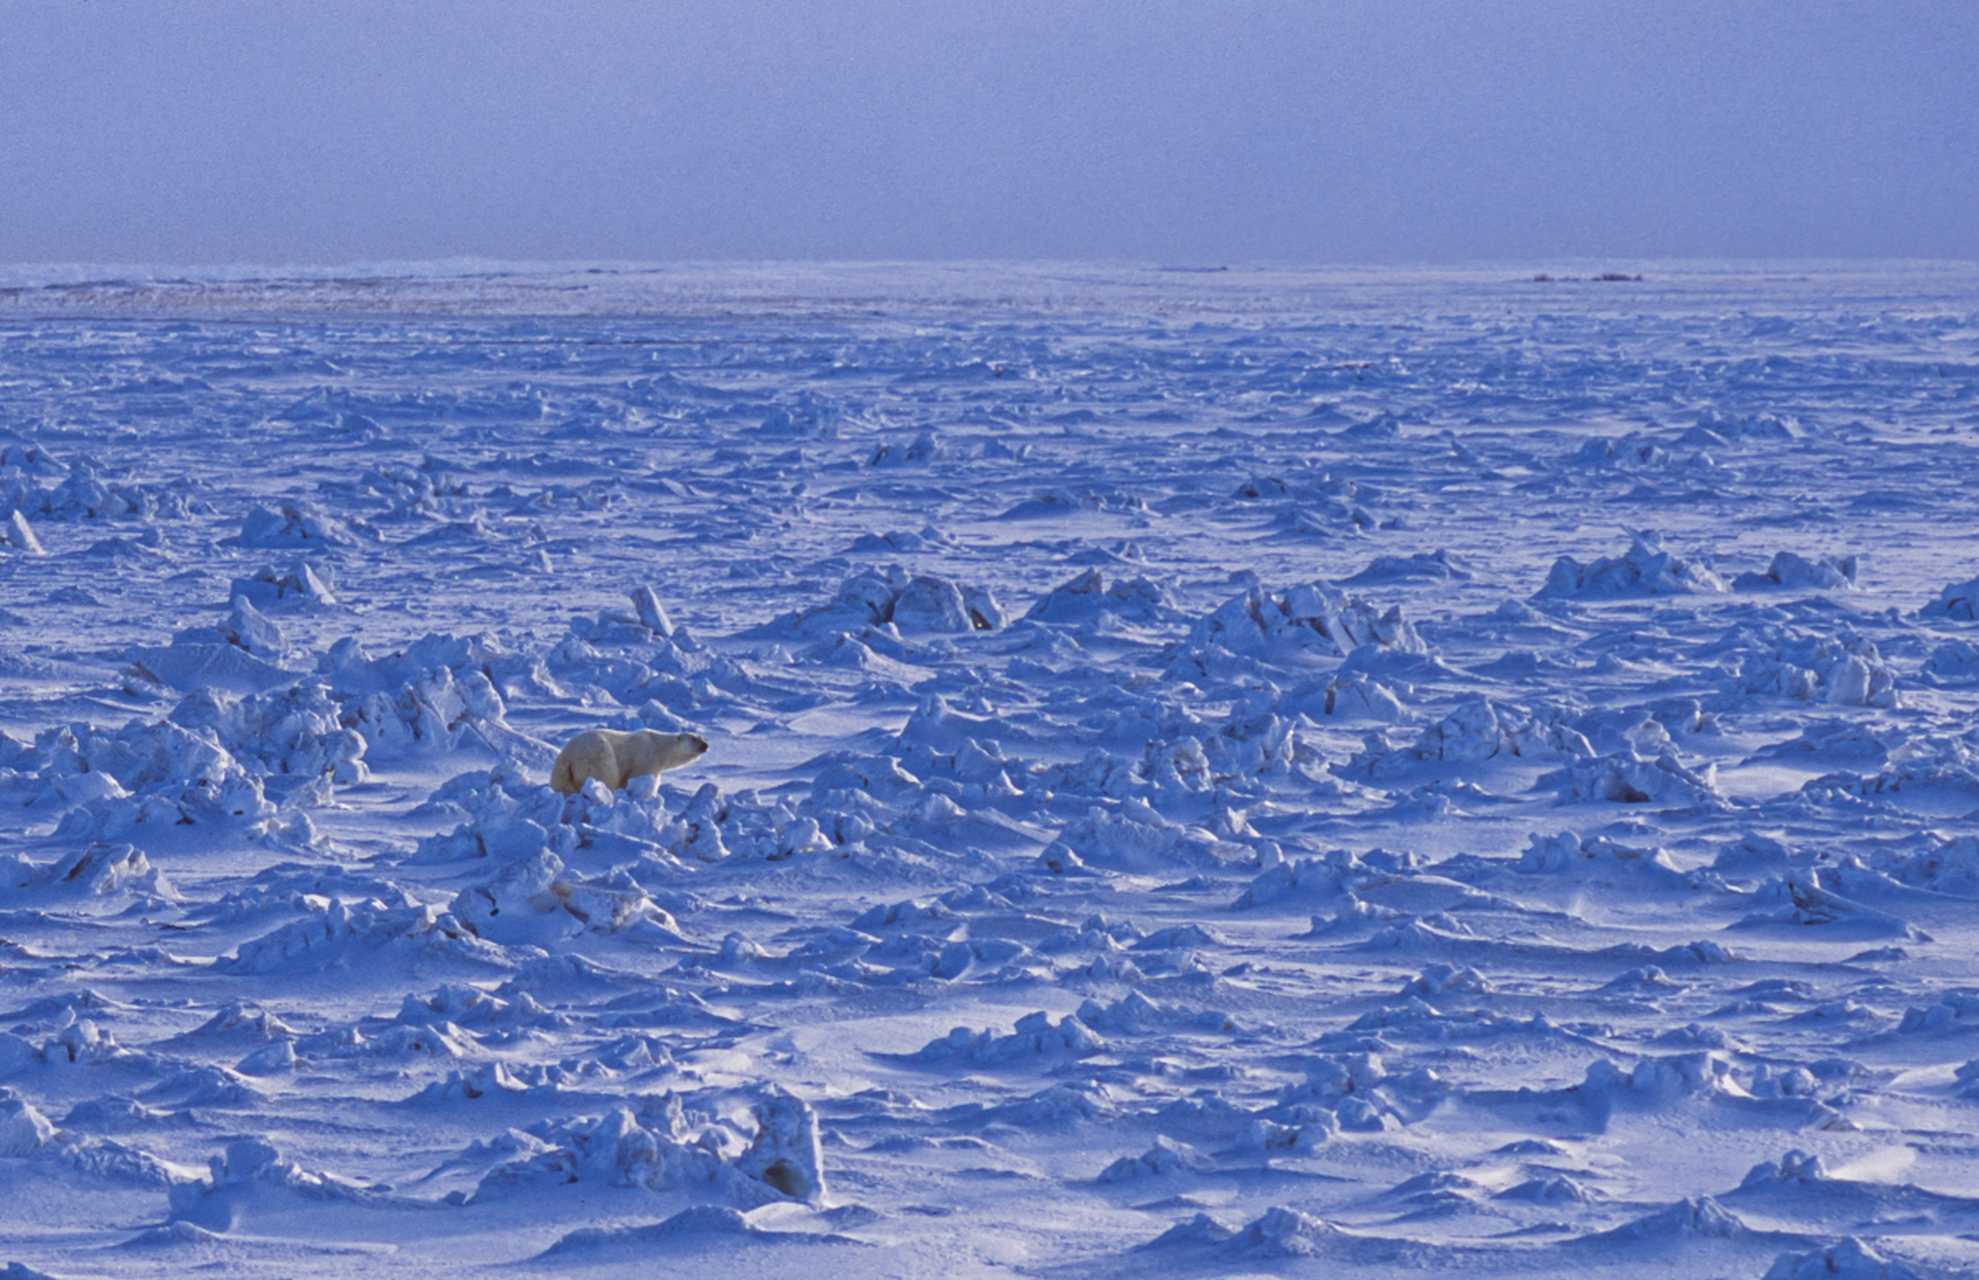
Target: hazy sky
1188, 131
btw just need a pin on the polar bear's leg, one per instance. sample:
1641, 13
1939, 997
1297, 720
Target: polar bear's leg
560, 774
589, 755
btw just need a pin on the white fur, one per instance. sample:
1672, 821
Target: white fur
614, 757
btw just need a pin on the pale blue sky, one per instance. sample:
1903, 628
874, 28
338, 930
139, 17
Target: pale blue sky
1212, 131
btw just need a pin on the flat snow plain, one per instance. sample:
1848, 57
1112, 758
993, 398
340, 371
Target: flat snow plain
1310, 774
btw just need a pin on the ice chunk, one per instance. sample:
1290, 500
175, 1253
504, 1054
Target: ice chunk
170, 777
99, 870
1448, 980
926, 447
16, 535
1165, 1157
1034, 1036
1476, 731
1631, 451
915, 603
1116, 841
1646, 569
85, 494
1955, 661
659, 1149
189, 668
23, 1130
1558, 1189
1958, 602
300, 583
1314, 619
652, 615
293, 732
706, 1226
1844, 668
1790, 571
1721, 427
1090, 597
1628, 778
1288, 1233
1805, 902
1566, 854
1699, 1216
1848, 1260
1438, 565
785, 1153
343, 934
535, 900
253, 1173
302, 525
1196, 1232
931, 604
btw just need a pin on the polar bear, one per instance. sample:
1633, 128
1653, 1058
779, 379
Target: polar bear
615, 758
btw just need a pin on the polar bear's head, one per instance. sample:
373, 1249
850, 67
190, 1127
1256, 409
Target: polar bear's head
653, 751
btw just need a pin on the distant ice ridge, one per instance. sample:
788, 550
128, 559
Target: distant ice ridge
82, 490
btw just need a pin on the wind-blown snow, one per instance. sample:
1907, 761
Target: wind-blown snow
1328, 775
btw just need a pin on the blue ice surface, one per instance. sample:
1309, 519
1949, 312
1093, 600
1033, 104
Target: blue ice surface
1322, 772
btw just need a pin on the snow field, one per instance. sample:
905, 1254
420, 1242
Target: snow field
1317, 775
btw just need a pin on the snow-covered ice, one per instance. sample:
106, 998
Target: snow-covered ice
1320, 774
